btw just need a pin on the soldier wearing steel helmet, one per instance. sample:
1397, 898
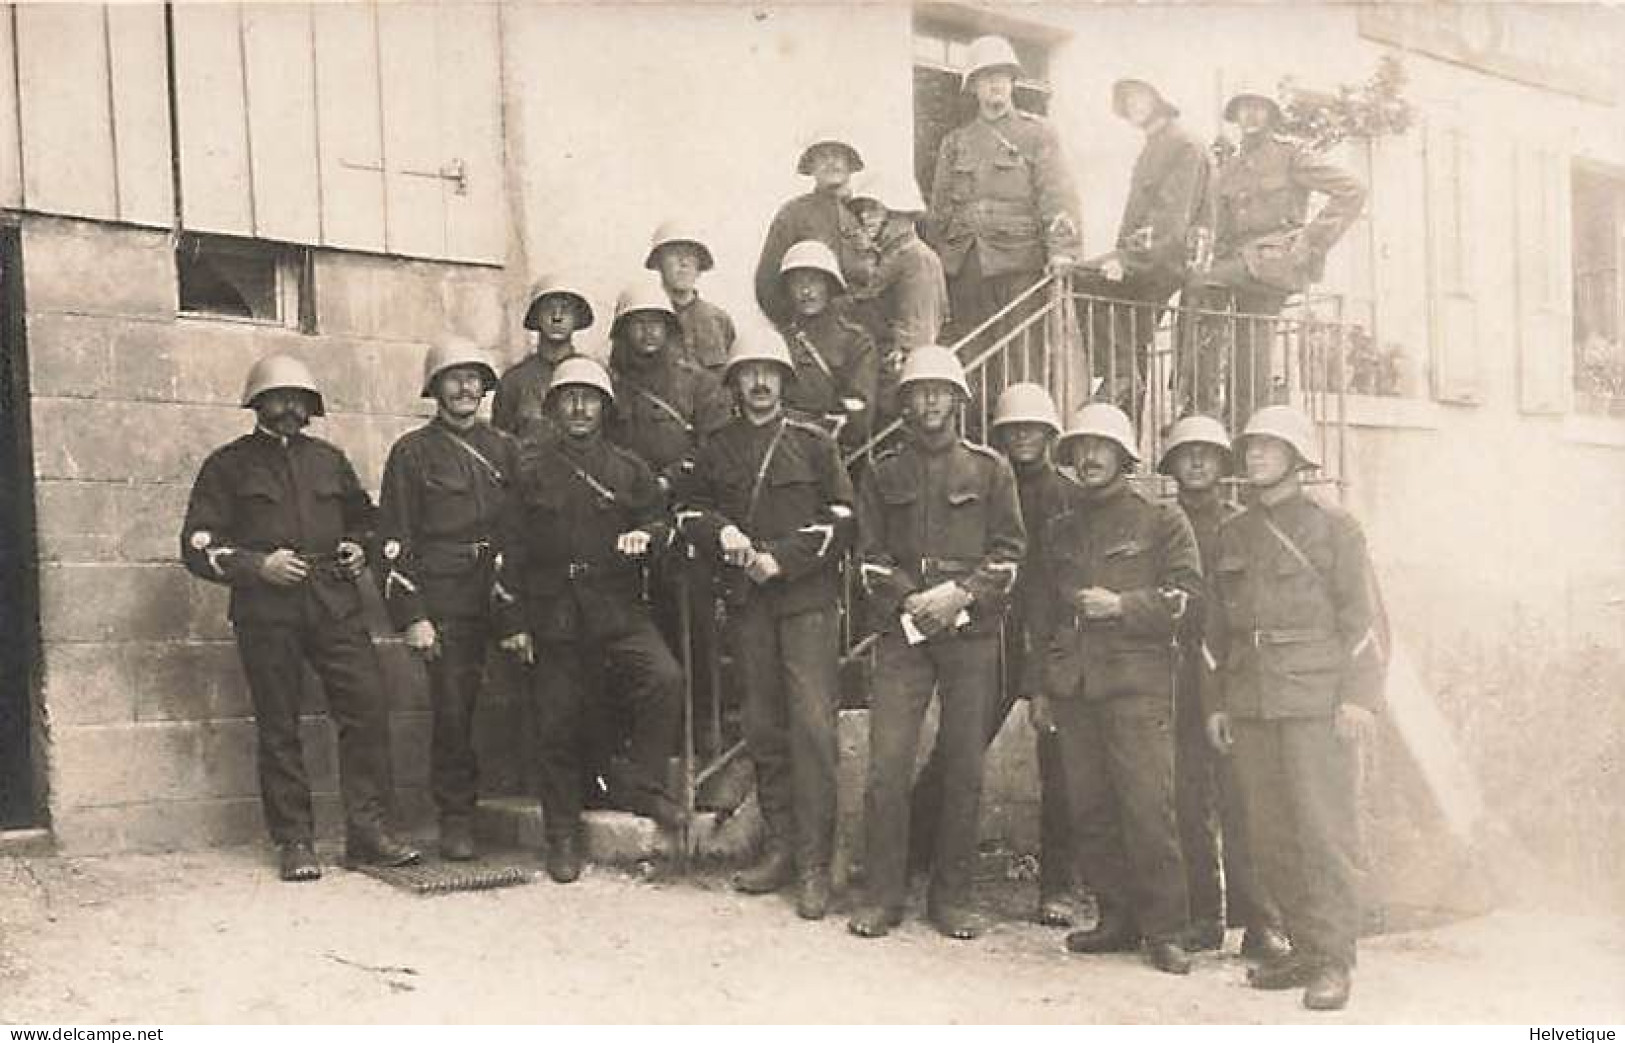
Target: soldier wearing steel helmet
830, 159
557, 312
1296, 647
1025, 426
906, 304
1003, 206
836, 367
940, 539
584, 515
1166, 191
1198, 458
444, 492
681, 256
1123, 571
771, 504
280, 518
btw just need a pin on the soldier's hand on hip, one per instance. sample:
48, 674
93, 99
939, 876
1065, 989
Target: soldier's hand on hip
351, 559
1098, 603
422, 638
1354, 724
1041, 715
520, 647
633, 544
1218, 731
284, 568
736, 548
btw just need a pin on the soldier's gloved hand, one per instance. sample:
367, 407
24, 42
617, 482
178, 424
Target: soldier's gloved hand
634, 544
1112, 268
1041, 715
519, 646
736, 548
762, 567
351, 559
284, 568
1354, 724
1218, 731
1098, 603
422, 638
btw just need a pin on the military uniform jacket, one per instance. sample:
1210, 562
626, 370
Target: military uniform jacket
1264, 188
256, 495
835, 358
1206, 514
817, 215
521, 397
570, 503
1165, 196
662, 412
909, 295
1144, 552
1002, 188
442, 501
708, 334
1292, 631
1045, 493
929, 515
783, 485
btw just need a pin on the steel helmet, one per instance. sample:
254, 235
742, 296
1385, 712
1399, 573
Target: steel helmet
989, 52
1290, 425
814, 254
1192, 430
670, 233
853, 156
933, 362
581, 371
643, 295
456, 351
1026, 404
766, 349
1251, 90
1104, 420
555, 285
900, 195
1120, 91
281, 371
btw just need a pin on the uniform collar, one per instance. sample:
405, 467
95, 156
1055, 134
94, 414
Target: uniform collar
261, 431
1111, 494
1202, 501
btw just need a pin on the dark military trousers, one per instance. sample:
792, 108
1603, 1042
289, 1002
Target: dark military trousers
1226, 370
1120, 328
1056, 862
1118, 759
788, 669
456, 676
1212, 826
1299, 786
962, 671
341, 654
639, 669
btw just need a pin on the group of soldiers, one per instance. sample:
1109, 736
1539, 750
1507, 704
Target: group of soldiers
1182, 664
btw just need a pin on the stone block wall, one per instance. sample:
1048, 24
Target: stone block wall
149, 734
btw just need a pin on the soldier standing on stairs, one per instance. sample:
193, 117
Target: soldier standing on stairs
771, 501
444, 492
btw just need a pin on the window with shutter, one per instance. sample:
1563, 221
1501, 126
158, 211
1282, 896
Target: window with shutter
1543, 265
1452, 267
1598, 229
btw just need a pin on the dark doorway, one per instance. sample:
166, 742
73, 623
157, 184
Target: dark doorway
19, 618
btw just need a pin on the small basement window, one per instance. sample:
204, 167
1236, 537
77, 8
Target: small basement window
245, 280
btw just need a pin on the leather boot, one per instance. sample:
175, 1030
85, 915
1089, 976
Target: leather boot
1115, 931
812, 903
959, 924
1286, 972
296, 862
564, 858
1328, 988
456, 840
874, 921
1053, 911
1204, 937
1264, 944
772, 872
1168, 957
378, 847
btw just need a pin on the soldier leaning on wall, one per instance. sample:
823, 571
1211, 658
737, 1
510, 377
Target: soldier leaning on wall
444, 492
1295, 644
279, 517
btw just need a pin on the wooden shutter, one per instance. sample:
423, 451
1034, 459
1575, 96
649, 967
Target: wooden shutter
1545, 326
1451, 204
351, 143
279, 85
11, 156
217, 191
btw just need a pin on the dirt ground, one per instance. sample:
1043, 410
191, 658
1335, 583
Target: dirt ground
213, 937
